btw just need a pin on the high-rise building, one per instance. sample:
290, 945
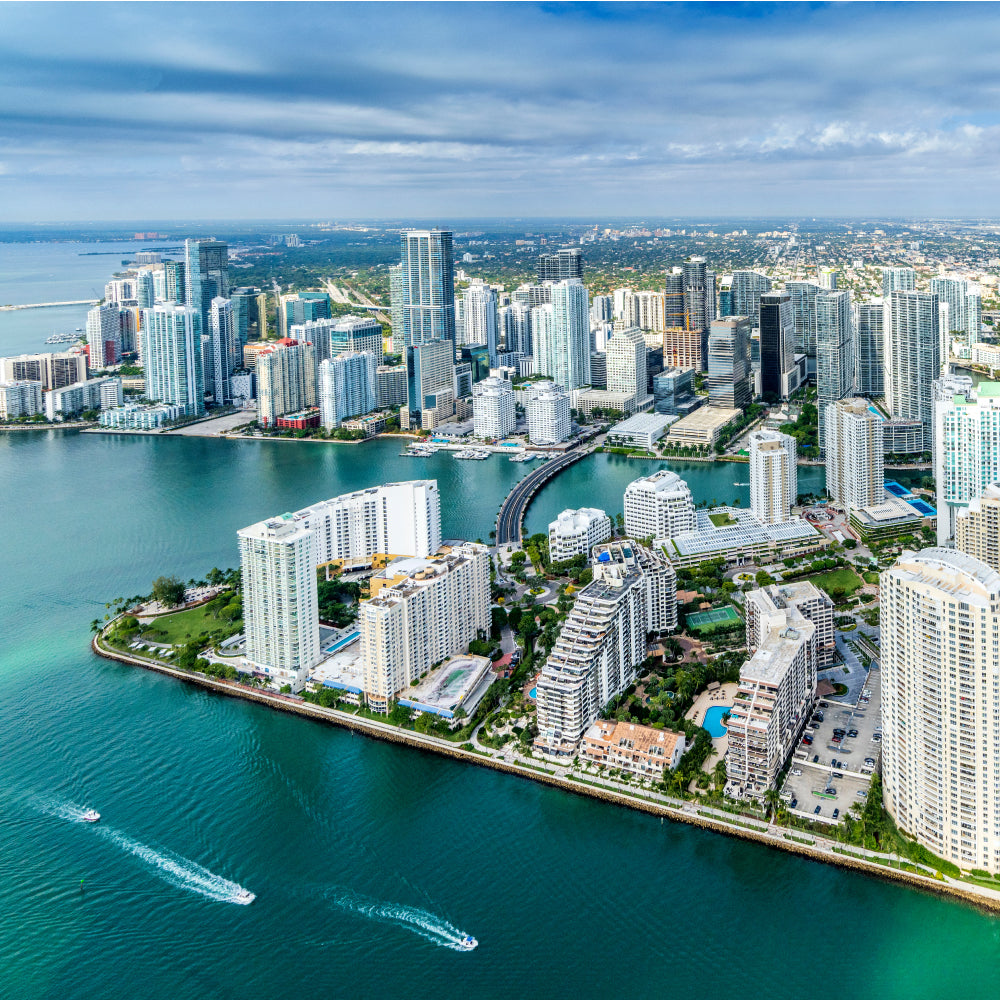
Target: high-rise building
225, 356
515, 323
912, 357
828, 278
675, 314
650, 311
803, 298
119, 290
603, 640
104, 337
94, 394
659, 506
625, 370
977, 527
683, 348
286, 380
576, 532
763, 608
249, 313
398, 519
854, 455
777, 347
345, 387
869, 344
425, 287
175, 281
300, 308
331, 337
547, 407
966, 446
493, 410
964, 306
602, 309
745, 291
729, 362
53, 370
673, 392
561, 336
422, 610
834, 353
171, 356
940, 669
774, 476
558, 266
20, 398
280, 604
898, 279
390, 386
481, 318
206, 276
145, 291
626, 307
430, 373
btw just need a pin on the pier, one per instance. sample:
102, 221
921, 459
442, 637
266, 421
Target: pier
49, 305
510, 520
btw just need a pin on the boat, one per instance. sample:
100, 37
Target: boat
244, 897
473, 454
468, 943
90, 816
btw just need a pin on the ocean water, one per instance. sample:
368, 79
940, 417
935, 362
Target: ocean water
367, 861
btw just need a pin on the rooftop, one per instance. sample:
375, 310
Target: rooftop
777, 652
747, 531
641, 738
643, 423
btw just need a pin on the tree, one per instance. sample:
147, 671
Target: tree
168, 590
763, 578
773, 800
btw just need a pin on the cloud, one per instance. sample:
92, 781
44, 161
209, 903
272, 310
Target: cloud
382, 109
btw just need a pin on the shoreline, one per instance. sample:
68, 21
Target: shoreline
798, 842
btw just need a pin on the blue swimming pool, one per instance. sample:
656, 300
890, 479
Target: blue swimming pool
342, 642
713, 720
533, 692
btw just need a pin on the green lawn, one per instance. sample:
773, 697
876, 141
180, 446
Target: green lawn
184, 625
722, 520
843, 579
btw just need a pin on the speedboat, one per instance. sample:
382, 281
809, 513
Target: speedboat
244, 897
468, 943
90, 816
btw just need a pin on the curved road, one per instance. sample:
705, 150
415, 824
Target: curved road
516, 502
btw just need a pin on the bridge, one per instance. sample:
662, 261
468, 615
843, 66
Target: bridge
49, 305
510, 520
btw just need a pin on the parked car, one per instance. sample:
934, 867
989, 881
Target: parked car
793, 803
796, 771
836, 813
817, 809
815, 758
861, 793
852, 733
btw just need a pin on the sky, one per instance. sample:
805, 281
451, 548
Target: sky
345, 111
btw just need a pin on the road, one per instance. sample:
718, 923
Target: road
516, 502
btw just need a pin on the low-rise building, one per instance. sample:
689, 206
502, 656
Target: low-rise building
576, 532
136, 417
888, 519
640, 431
702, 427
640, 750
94, 394
22, 398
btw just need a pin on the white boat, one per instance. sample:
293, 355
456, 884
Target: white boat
468, 943
90, 816
244, 897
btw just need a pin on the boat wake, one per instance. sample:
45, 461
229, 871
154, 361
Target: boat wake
68, 811
182, 872
420, 922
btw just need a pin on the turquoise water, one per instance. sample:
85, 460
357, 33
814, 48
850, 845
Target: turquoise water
366, 859
713, 720
533, 693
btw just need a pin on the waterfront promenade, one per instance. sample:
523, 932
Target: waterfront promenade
806, 844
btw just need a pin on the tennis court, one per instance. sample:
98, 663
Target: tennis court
713, 617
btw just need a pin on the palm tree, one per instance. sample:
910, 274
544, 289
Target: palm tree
773, 800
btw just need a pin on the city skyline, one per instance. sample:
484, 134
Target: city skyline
226, 112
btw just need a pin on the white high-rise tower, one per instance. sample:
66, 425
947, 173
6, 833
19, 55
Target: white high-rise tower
854, 455
774, 476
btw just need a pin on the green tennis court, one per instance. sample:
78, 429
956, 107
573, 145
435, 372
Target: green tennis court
713, 617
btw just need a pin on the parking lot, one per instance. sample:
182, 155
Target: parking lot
834, 767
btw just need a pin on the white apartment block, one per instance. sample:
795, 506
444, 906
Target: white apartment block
774, 476
94, 394
22, 398
966, 446
855, 472
776, 690
53, 370
659, 506
345, 387
576, 532
767, 608
602, 641
286, 381
977, 527
626, 363
941, 704
280, 606
422, 611
493, 410
171, 356
548, 411
104, 336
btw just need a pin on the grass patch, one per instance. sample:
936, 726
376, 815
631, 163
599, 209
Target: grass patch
722, 520
184, 625
848, 628
843, 580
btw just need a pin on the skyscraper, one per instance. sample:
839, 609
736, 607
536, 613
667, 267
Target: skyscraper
430, 373
869, 343
699, 294
480, 317
171, 357
425, 286
803, 296
966, 446
280, 603
206, 276
964, 306
912, 357
854, 455
249, 313
774, 476
777, 347
286, 380
345, 387
940, 670
104, 336
175, 283
558, 266
626, 364
729, 362
331, 337
744, 294
561, 335
515, 322
898, 279
675, 315
226, 354
145, 294
834, 353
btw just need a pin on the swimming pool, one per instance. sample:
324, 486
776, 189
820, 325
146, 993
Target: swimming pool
713, 720
342, 642
533, 693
